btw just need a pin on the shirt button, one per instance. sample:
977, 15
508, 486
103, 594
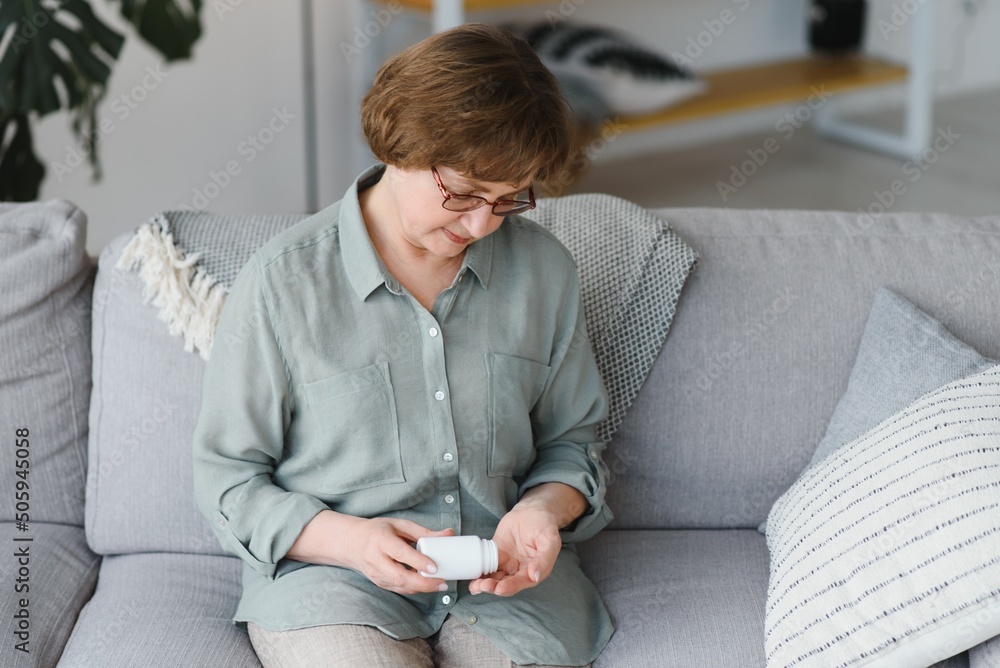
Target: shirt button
447, 456
439, 395
223, 521
448, 498
473, 619
433, 331
446, 599
594, 455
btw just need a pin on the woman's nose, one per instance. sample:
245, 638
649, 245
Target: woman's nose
478, 221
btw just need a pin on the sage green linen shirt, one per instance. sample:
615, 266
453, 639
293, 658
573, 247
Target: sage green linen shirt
330, 386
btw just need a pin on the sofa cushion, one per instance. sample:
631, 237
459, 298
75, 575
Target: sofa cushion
681, 598
685, 598
904, 354
46, 279
60, 577
883, 553
163, 610
762, 346
144, 406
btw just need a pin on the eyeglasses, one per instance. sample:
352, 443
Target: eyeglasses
501, 207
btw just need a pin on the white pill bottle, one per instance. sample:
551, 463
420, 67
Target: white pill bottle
459, 557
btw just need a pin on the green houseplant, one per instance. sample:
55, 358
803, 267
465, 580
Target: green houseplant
58, 54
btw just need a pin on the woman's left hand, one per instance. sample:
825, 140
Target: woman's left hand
528, 543
528, 538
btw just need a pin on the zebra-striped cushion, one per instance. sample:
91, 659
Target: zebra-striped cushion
630, 78
887, 553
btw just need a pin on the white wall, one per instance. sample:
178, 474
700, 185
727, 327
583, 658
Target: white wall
173, 148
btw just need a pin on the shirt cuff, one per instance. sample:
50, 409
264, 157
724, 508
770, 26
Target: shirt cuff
589, 481
273, 536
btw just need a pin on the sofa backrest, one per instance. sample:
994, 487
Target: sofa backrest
763, 342
759, 353
144, 405
46, 279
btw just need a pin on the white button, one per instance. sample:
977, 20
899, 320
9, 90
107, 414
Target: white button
594, 455
439, 395
473, 619
446, 599
448, 498
447, 456
433, 331
223, 521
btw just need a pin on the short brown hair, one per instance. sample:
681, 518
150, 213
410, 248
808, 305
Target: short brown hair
474, 98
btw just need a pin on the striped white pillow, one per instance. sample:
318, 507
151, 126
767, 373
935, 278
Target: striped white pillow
887, 552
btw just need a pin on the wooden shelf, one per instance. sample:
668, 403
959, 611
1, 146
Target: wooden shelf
734, 90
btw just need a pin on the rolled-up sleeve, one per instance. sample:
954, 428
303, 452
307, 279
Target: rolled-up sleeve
565, 419
239, 437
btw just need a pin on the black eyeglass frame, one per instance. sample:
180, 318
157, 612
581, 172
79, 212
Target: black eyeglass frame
516, 205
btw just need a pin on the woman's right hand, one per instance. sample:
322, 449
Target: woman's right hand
381, 549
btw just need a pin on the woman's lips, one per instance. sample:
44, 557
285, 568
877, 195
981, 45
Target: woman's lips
454, 238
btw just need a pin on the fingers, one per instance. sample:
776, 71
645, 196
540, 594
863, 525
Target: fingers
405, 553
393, 577
413, 531
501, 584
391, 562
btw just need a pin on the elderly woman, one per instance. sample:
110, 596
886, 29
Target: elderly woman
413, 361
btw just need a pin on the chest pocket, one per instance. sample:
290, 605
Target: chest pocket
515, 385
347, 436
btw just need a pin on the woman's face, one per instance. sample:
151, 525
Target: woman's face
428, 226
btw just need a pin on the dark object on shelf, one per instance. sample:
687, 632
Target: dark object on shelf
837, 26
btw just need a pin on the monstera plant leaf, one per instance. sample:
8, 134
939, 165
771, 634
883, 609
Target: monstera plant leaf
171, 27
58, 54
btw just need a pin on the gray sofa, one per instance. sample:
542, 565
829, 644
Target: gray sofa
124, 571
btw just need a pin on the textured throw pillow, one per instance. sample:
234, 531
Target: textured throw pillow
630, 78
904, 354
887, 552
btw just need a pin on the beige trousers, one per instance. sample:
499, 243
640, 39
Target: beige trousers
348, 646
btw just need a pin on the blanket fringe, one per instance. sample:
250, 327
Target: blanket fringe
188, 299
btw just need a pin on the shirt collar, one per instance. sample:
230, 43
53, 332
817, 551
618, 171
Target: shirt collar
365, 268
363, 265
